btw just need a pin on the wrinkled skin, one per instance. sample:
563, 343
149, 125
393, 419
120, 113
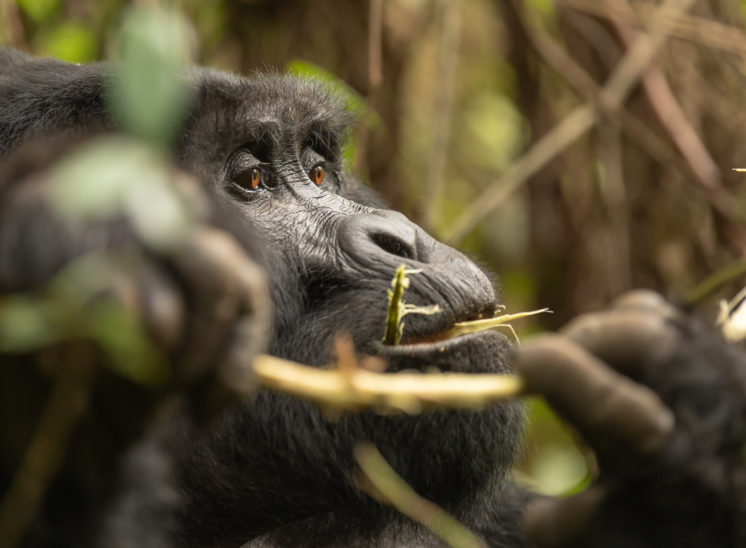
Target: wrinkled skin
668, 427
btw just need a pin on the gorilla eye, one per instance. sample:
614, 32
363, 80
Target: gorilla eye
249, 179
317, 175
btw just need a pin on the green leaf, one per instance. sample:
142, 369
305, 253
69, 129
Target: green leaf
353, 101
114, 176
148, 93
24, 324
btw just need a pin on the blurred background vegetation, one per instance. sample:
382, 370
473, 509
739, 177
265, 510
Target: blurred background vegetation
460, 102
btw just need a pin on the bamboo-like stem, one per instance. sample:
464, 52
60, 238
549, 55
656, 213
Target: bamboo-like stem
475, 326
391, 488
408, 392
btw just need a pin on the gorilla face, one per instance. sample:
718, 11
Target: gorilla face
272, 146
331, 246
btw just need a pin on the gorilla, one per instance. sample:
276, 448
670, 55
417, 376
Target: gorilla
659, 397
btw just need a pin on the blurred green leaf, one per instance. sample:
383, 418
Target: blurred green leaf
39, 10
148, 93
545, 9
353, 101
559, 470
73, 307
495, 130
71, 42
558, 467
24, 325
114, 176
130, 352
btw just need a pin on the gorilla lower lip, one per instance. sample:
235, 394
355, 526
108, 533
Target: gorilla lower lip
470, 353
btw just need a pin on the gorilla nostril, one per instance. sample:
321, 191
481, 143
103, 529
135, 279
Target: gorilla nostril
392, 244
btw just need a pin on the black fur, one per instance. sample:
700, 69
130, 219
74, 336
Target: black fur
276, 472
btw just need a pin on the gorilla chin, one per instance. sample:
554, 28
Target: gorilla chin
461, 474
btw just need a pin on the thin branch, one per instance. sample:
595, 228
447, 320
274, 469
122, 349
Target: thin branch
557, 58
695, 153
375, 77
673, 119
408, 392
448, 54
375, 45
700, 30
714, 282
44, 455
387, 485
13, 27
624, 77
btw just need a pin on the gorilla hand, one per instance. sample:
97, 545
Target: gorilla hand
663, 403
204, 300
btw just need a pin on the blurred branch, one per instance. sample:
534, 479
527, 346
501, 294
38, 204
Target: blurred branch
45, 452
709, 286
387, 485
695, 153
558, 59
708, 32
354, 388
448, 54
12, 28
375, 78
613, 193
624, 77
672, 117
375, 31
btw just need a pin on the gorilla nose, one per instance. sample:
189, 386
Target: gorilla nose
380, 237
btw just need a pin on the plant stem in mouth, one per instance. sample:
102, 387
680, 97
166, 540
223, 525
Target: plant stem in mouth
408, 392
464, 328
397, 308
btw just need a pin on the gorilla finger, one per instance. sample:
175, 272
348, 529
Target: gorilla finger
224, 285
616, 415
646, 299
628, 339
149, 295
552, 522
162, 306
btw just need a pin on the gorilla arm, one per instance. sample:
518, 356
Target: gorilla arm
663, 403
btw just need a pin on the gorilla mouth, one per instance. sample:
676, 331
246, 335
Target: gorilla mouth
483, 352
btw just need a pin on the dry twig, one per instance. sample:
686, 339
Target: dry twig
557, 58
700, 30
375, 77
45, 454
408, 392
672, 117
624, 77
448, 48
387, 485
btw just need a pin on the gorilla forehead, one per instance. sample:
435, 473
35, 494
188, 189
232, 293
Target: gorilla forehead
233, 110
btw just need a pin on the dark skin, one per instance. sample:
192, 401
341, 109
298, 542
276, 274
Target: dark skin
659, 398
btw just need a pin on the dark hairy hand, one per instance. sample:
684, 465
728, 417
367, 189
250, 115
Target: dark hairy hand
662, 401
203, 300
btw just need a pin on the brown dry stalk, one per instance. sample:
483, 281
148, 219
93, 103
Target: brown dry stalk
408, 392
388, 486
44, 454
576, 124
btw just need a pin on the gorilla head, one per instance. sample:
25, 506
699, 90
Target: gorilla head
273, 145
270, 146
